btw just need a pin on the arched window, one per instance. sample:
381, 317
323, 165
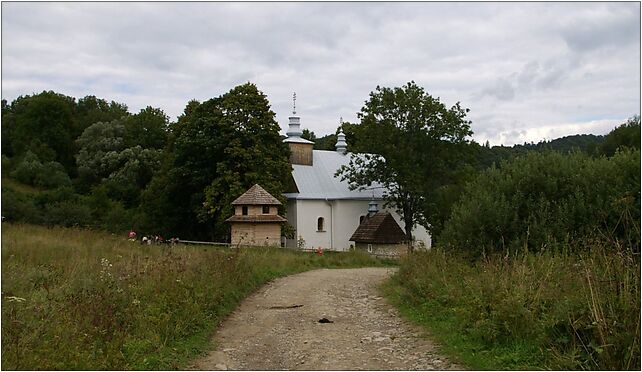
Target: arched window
361, 219
320, 226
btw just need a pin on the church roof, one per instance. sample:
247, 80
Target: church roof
256, 195
317, 181
380, 228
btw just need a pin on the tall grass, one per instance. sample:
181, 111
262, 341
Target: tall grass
76, 299
538, 311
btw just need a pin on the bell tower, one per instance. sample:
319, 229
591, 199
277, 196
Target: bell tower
300, 148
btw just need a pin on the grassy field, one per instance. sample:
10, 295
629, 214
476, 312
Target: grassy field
538, 311
77, 299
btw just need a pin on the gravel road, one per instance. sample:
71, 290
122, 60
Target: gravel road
278, 328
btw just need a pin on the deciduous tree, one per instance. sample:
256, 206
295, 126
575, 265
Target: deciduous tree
410, 143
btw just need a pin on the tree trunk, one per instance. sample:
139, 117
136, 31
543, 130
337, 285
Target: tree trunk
408, 228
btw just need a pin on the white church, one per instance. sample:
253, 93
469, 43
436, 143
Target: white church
322, 209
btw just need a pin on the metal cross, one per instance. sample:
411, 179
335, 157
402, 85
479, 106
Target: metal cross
294, 105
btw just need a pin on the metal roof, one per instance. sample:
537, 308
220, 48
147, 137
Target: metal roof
297, 140
317, 181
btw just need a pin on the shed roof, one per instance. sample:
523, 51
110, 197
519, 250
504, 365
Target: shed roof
317, 181
380, 228
256, 195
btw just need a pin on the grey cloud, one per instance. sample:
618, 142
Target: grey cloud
516, 65
609, 26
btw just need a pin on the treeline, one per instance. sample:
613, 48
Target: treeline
92, 163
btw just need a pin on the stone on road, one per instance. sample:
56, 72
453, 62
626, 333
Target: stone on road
278, 328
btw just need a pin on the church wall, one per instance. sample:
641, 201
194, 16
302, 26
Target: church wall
307, 213
341, 221
348, 213
291, 215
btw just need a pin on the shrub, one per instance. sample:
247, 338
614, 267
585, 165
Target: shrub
19, 207
52, 174
544, 200
67, 213
6, 163
31, 171
27, 169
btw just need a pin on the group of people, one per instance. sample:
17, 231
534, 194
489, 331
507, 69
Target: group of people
153, 239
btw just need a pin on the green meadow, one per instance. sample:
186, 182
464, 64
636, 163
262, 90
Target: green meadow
80, 299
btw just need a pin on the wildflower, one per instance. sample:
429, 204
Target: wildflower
136, 302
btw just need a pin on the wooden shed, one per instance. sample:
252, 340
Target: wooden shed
380, 235
256, 220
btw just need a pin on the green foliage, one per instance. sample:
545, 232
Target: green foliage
105, 158
626, 135
541, 311
541, 200
31, 171
43, 123
48, 123
67, 213
17, 206
409, 142
147, 129
7, 164
218, 150
95, 142
76, 299
92, 110
309, 135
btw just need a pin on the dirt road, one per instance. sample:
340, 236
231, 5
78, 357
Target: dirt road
278, 328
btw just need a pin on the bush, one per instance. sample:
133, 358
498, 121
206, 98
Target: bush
19, 207
27, 169
52, 174
6, 163
545, 200
32, 172
67, 213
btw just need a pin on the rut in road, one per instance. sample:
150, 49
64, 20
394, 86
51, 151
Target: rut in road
278, 328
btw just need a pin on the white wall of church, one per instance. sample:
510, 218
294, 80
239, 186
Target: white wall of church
341, 219
307, 215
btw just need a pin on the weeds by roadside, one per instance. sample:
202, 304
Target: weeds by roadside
539, 311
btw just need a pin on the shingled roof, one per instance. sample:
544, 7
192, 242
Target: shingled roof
256, 195
257, 218
380, 228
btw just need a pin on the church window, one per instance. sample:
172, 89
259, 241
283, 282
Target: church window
369, 248
361, 219
320, 223
266, 209
244, 210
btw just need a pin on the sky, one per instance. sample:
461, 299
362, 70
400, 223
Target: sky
527, 71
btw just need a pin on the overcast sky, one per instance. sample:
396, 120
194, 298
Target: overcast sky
527, 71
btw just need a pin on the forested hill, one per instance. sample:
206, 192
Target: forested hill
486, 155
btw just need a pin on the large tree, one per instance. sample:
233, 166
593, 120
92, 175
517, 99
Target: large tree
410, 143
218, 149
